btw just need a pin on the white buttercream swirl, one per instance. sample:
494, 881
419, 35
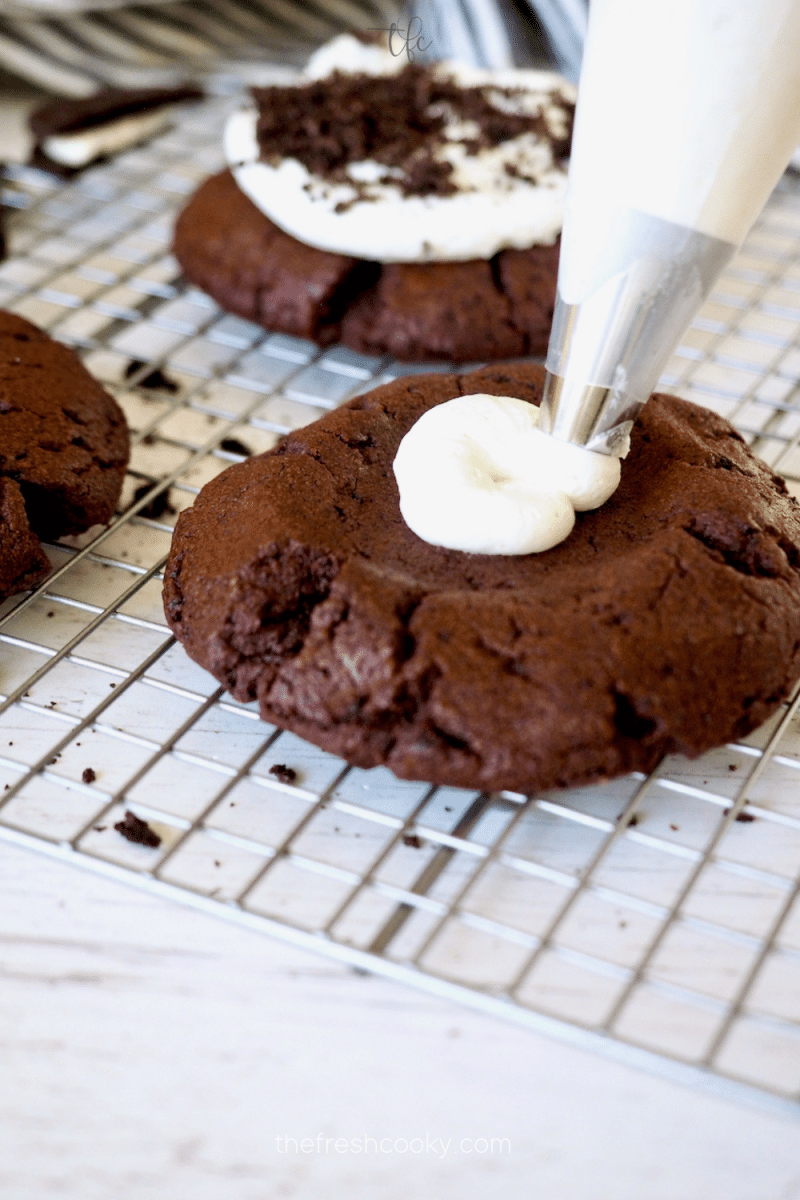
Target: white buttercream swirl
475, 474
346, 53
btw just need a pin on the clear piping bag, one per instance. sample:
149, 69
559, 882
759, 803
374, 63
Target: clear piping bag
688, 112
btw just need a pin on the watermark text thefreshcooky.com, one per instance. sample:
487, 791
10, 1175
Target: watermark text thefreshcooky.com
439, 1147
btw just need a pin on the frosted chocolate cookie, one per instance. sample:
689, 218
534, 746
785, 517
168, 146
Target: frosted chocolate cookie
415, 212
416, 311
668, 620
63, 449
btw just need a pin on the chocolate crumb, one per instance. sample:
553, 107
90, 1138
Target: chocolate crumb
733, 766
149, 439
234, 446
159, 505
744, 817
51, 613
675, 827
100, 828
154, 381
633, 821
513, 171
399, 121
136, 830
88, 775
282, 772
411, 839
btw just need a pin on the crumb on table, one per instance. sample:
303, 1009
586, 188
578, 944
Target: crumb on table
136, 830
283, 773
744, 817
234, 446
159, 505
154, 381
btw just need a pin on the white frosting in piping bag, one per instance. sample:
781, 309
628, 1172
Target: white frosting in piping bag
689, 113
475, 474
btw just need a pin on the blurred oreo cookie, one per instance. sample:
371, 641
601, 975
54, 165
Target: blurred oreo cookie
72, 133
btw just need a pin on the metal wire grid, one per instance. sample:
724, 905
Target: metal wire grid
656, 919
72, 52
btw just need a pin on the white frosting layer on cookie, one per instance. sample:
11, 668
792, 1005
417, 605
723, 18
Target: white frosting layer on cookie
346, 53
491, 211
475, 474
78, 149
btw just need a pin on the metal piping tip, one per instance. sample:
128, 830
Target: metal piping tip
589, 415
607, 351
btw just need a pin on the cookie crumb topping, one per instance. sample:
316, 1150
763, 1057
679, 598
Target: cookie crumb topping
409, 123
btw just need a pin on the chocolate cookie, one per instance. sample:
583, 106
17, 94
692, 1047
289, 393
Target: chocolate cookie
454, 312
63, 449
669, 620
23, 563
69, 116
109, 104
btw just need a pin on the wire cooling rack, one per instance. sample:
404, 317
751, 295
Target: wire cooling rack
72, 46
655, 919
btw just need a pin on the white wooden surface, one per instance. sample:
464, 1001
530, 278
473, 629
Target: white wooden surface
148, 1051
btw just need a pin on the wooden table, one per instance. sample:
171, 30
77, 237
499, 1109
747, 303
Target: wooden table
150, 1051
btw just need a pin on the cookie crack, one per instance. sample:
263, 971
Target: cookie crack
510, 313
789, 548
363, 276
509, 664
630, 721
260, 631
723, 463
746, 550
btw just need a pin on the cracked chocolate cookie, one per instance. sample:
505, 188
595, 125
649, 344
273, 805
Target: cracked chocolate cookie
448, 311
63, 450
669, 620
